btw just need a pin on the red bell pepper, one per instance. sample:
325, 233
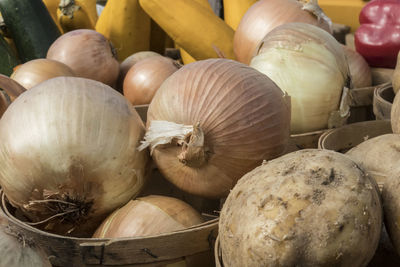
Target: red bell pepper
378, 37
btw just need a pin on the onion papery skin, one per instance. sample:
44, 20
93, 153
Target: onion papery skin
17, 251
39, 70
88, 53
308, 64
149, 216
244, 116
264, 16
72, 140
360, 71
133, 59
145, 77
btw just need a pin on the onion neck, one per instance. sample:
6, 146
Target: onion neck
193, 152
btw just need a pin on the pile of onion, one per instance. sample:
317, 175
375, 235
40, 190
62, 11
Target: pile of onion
88, 53
69, 154
265, 15
36, 71
16, 251
214, 120
147, 216
145, 77
310, 65
360, 71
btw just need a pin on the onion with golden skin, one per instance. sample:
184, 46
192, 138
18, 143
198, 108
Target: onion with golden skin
88, 53
39, 70
145, 77
69, 154
265, 15
227, 118
360, 71
150, 215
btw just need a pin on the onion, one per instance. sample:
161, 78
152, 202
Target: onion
88, 53
17, 251
36, 71
212, 121
359, 69
265, 15
69, 154
396, 76
9, 90
145, 77
310, 65
133, 59
150, 215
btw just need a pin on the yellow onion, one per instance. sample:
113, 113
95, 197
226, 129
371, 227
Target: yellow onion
265, 15
359, 69
88, 53
39, 70
214, 120
145, 77
9, 90
133, 59
69, 154
150, 215
396, 76
310, 65
17, 250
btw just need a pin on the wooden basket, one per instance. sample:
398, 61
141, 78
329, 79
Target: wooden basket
382, 102
192, 247
346, 137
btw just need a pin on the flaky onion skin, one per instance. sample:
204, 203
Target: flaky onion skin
149, 216
243, 115
69, 150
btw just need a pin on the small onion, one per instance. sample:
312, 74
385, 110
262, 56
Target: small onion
214, 120
265, 15
88, 53
359, 69
17, 251
133, 59
39, 70
310, 65
145, 77
68, 154
396, 76
150, 215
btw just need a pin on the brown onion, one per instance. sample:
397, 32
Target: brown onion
145, 77
68, 154
150, 215
214, 120
10, 90
133, 59
265, 15
39, 70
396, 76
17, 250
359, 69
88, 53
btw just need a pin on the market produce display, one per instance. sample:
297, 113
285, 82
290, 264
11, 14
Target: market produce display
184, 133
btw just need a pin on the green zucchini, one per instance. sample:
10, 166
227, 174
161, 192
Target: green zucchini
8, 60
31, 27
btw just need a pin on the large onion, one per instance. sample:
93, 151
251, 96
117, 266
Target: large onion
145, 77
265, 15
150, 215
18, 251
88, 53
360, 71
310, 65
217, 119
36, 71
68, 154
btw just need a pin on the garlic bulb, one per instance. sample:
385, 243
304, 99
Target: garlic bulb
310, 65
68, 155
214, 120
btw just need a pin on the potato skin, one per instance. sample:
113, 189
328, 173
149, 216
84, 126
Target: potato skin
378, 156
307, 208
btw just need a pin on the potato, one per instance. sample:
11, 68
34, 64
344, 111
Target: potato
379, 156
307, 208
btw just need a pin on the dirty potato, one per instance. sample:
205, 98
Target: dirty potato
307, 208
